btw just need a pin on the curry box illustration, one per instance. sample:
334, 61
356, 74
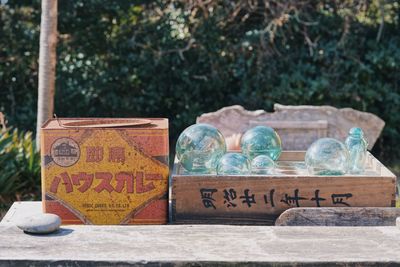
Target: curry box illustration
105, 171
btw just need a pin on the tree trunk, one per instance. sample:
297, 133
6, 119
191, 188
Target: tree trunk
47, 64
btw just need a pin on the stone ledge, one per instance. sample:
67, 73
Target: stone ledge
202, 245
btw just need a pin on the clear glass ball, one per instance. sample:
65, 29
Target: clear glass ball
199, 147
261, 140
262, 165
233, 164
327, 156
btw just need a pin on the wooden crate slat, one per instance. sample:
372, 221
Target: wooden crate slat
339, 217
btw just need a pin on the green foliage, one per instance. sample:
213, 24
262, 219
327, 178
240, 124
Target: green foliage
20, 167
19, 50
179, 59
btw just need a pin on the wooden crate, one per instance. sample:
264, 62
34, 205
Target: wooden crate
258, 199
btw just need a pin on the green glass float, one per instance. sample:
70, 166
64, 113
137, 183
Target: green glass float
327, 156
262, 164
199, 148
233, 164
261, 140
357, 147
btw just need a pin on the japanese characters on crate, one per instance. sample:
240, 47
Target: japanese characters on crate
201, 149
232, 198
106, 171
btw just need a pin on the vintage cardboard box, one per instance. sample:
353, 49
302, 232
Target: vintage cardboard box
105, 171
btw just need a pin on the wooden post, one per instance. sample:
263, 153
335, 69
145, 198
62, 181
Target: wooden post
47, 64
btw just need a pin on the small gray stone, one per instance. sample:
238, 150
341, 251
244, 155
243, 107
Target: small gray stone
398, 221
44, 223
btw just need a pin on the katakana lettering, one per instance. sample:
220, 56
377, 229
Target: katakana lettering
153, 176
140, 186
105, 183
54, 184
87, 180
124, 178
66, 182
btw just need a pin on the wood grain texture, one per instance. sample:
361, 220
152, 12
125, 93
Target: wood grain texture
338, 217
257, 199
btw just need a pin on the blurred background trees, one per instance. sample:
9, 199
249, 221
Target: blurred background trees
179, 59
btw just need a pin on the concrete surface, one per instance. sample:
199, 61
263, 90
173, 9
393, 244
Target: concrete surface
201, 245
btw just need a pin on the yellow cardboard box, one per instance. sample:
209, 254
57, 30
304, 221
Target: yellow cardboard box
105, 171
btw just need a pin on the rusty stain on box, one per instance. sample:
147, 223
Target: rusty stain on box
105, 171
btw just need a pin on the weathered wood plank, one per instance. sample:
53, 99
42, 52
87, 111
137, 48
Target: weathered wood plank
338, 217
